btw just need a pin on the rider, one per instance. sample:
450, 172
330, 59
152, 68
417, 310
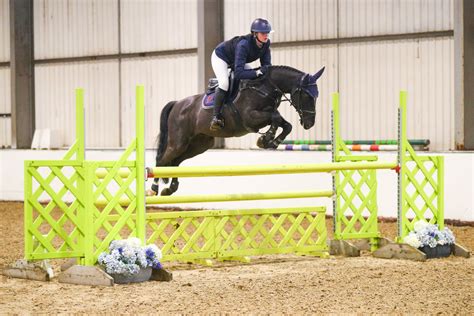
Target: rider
236, 53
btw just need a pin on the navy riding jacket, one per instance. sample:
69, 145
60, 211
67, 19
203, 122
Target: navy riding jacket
241, 50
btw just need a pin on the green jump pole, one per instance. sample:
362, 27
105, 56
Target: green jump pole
140, 163
125, 201
123, 173
239, 170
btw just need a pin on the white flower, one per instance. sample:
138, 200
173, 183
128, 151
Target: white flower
141, 259
134, 242
412, 240
448, 236
116, 244
420, 225
101, 258
129, 255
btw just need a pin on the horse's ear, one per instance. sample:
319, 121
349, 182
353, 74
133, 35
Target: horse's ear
318, 74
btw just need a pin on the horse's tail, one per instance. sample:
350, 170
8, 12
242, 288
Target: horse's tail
163, 137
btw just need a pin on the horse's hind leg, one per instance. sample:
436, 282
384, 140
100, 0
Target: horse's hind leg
171, 153
198, 145
172, 188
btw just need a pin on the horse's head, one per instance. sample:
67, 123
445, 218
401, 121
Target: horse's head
303, 98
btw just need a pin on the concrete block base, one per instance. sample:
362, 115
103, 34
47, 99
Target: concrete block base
71, 262
22, 269
161, 275
364, 244
399, 251
86, 275
344, 248
460, 251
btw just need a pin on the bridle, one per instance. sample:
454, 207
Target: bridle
299, 90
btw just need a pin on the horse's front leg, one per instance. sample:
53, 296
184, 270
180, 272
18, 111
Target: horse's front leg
264, 140
268, 140
286, 129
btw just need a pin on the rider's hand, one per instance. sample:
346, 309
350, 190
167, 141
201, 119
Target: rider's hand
259, 73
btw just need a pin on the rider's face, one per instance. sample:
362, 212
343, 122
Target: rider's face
262, 37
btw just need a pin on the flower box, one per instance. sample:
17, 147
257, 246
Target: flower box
143, 275
429, 239
129, 262
440, 251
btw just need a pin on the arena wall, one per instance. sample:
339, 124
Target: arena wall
459, 175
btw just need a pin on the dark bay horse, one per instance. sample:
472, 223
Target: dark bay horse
184, 124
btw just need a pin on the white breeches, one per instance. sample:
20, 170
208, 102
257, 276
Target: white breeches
221, 70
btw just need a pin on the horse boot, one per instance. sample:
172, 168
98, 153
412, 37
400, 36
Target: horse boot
217, 122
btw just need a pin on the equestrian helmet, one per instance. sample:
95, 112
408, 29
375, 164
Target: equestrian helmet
261, 26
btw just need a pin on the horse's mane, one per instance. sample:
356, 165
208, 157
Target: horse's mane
283, 67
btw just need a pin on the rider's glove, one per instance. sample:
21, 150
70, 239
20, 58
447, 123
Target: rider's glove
259, 73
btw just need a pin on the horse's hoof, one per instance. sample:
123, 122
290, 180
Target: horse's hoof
150, 193
272, 145
166, 191
261, 142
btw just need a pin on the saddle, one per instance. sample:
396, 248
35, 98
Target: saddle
208, 99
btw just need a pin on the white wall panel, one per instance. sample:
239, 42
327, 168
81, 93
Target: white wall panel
5, 107
306, 20
308, 59
5, 132
4, 30
158, 25
293, 20
75, 28
55, 86
166, 78
5, 90
371, 76
376, 17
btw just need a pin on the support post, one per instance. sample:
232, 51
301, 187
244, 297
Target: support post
78, 149
402, 118
88, 218
335, 155
463, 74
440, 197
22, 73
210, 34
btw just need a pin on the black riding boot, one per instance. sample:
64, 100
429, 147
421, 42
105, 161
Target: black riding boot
217, 122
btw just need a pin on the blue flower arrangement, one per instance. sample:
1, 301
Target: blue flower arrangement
426, 234
127, 257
